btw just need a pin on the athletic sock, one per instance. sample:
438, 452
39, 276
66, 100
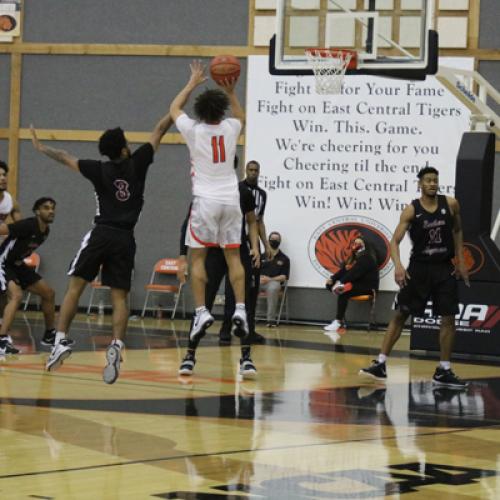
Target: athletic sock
119, 343
59, 337
245, 351
382, 358
445, 365
200, 309
240, 305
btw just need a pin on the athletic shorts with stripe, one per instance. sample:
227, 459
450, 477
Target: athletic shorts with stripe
111, 248
212, 224
429, 281
21, 275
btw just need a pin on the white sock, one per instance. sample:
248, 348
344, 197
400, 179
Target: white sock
200, 309
240, 305
446, 365
382, 358
59, 337
119, 343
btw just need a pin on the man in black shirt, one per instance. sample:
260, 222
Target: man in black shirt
435, 228
216, 268
358, 276
22, 239
275, 270
252, 273
119, 187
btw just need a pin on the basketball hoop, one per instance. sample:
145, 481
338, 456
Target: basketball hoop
329, 67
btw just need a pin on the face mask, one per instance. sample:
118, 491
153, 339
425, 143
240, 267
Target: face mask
274, 244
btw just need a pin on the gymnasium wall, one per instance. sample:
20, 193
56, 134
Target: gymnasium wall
85, 66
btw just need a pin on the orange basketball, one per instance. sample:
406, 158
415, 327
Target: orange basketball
222, 67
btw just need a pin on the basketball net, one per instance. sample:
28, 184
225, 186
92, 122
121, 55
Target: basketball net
329, 67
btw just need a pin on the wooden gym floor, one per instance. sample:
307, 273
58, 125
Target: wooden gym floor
308, 427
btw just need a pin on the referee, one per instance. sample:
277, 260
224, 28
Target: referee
252, 273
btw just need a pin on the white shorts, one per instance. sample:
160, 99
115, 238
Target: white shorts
212, 224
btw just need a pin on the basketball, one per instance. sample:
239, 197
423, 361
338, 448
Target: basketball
222, 67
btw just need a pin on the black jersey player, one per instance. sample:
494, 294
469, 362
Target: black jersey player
434, 224
110, 245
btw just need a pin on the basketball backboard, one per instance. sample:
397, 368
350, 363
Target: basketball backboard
393, 38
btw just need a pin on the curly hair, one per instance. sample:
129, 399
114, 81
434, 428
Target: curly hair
211, 105
111, 143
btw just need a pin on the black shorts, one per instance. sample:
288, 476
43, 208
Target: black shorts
429, 282
21, 275
111, 248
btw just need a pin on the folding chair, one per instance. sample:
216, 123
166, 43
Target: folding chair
283, 307
372, 299
97, 288
165, 267
32, 261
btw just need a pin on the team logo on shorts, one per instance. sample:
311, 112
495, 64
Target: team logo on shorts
473, 258
329, 245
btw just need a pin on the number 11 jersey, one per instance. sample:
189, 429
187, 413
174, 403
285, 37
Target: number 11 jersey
212, 148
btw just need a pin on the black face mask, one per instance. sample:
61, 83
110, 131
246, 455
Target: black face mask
274, 244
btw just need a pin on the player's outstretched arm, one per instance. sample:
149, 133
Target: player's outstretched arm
160, 130
400, 274
197, 78
253, 234
458, 240
236, 108
59, 155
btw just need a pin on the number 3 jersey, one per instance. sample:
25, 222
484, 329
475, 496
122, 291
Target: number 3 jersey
119, 187
432, 233
212, 148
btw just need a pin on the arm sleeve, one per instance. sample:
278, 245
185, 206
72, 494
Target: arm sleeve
91, 169
362, 266
22, 229
183, 248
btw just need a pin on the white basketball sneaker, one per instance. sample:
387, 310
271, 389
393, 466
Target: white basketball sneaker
334, 326
202, 321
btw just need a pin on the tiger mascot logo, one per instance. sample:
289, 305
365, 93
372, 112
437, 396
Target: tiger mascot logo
330, 243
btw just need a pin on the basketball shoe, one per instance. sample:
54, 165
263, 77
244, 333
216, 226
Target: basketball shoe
376, 371
113, 358
240, 324
6, 346
49, 338
60, 352
335, 326
446, 378
247, 368
187, 365
202, 320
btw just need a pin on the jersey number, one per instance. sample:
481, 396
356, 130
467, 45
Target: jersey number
435, 236
122, 193
218, 149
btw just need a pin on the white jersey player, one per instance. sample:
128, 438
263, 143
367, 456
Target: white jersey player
8, 206
216, 217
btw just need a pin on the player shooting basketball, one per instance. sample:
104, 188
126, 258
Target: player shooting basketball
215, 218
435, 228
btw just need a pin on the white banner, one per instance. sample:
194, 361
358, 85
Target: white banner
338, 166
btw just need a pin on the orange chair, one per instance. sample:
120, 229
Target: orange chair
372, 299
165, 267
32, 261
